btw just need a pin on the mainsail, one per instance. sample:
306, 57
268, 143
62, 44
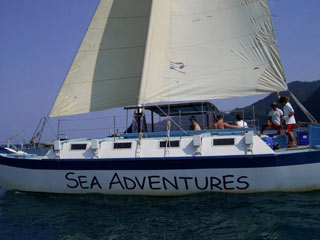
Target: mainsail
146, 51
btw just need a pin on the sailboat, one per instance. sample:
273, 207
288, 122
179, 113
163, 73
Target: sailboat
150, 54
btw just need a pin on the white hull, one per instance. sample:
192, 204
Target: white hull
163, 182
196, 164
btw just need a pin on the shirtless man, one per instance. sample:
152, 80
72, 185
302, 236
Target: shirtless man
194, 126
220, 124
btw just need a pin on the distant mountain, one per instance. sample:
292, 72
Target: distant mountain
308, 93
312, 104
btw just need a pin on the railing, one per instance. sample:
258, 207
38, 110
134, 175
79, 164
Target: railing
100, 127
116, 125
92, 127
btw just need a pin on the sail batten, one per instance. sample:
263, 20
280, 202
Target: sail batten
146, 51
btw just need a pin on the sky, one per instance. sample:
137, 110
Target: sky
39, 39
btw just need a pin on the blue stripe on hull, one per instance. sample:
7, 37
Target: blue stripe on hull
167, 163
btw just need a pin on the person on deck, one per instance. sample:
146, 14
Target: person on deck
194, 126
220, 124
289, 118
138, 123
275, 119
240, 122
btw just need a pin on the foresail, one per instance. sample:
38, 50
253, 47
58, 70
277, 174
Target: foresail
107, 69
210, 49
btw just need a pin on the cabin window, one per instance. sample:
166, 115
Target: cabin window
223, 141
163, 144
122, 145
78, 146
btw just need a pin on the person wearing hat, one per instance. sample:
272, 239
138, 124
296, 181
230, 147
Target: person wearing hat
275, 119
194, 126
289, 119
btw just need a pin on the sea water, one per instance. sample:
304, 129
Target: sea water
202, 216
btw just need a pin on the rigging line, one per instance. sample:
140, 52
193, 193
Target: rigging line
54, 133
22, 131
42, 128
36, 137
36, 130
172, 120
303, 109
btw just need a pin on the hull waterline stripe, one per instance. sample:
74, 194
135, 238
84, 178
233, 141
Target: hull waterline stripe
172, 163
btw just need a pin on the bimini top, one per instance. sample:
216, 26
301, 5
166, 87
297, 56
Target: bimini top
194, 108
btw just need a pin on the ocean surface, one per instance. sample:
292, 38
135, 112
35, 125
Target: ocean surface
203, 216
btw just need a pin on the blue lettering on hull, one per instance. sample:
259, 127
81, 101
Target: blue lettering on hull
158, 183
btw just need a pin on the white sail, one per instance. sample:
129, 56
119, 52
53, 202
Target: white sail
145, 51
215, 49
107, 69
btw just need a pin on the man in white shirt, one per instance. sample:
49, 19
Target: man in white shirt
289, 119
275, 118
240, 122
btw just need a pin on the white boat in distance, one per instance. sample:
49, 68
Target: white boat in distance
142, 52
